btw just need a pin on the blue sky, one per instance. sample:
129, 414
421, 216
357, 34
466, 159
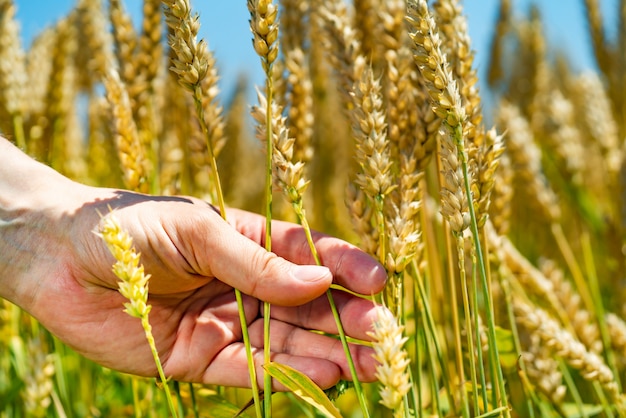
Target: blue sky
225, 27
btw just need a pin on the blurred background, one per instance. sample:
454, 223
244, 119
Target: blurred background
225, 27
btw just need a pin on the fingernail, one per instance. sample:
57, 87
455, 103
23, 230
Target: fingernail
310, 273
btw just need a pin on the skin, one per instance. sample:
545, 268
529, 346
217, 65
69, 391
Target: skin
55, 267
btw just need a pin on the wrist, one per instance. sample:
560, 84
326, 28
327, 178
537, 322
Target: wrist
34, 201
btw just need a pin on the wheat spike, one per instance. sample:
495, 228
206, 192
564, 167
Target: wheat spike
495, 72
526, 157
392, 360
543, 370
562, 343
502, 194
342, 46
12, 64
130, 150
446, 103
288, 175
581, 319
125, 40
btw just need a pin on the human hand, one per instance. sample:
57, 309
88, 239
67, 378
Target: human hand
195, 259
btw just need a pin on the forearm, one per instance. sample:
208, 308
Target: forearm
31, 215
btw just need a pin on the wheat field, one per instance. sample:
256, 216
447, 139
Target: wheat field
502, 228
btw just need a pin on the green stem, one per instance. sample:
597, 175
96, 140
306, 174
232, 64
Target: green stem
479, 351
570, 260
456, 326
508, 301
597, 387
599, 307
420, 339
342, 335
197, 98
269, 180
457, 329
491, 329
179, 399
460, 246
194, 404
430, 326
433, 372
573, 390
168, 395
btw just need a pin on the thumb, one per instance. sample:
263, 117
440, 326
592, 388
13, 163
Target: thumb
242, 263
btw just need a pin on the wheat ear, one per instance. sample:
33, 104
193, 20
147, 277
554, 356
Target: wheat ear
12, 71
565, 345
393, 362
446, 103
191, 62
130, 150
133, 285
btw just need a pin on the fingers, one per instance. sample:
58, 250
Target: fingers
213, 247
350, 266
319, 357
357, 315
288, 339
230, 368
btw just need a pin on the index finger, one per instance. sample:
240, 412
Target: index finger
350, 266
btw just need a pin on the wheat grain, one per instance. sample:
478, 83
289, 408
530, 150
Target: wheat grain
148, 55
125, 40
487, 160
526, 157
581, 320
130, 150
287, 174
12, 64
195, 66
554, 119
392, 359
150, 48
101, 151
600, 47
617, 335
62, 92
95, 53
593, 111
562, 343
191, 60
133, 283
495, 71
300, 99
446, 103
264, 27
369, 31
369, 130
543, 370
456, 46
500, 208
342, 46
362, 217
